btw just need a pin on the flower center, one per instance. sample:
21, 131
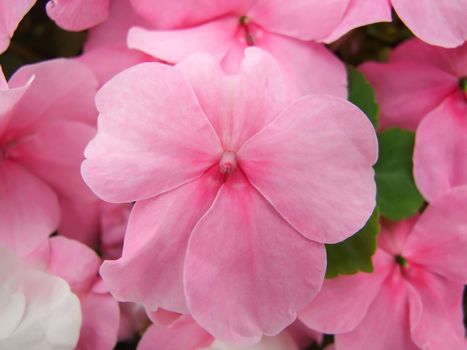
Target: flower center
463, 86
227, 164
400, 260
244, 24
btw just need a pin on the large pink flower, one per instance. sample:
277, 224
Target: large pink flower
11, 13
288, 30
78, 14
42, 138
236, 189
423, 88
413, 299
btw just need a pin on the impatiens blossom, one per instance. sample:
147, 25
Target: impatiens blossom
108, 40
186, 334
11, 13
78, 15
288, 30
423, 88
413, 299
37, 309
46, 113
236, 190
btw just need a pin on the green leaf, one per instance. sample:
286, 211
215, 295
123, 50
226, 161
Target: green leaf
398, 197
354, 254
362, 95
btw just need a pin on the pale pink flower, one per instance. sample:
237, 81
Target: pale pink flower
37, 309
105, 50
45, 114
186, 334
413, 299
236, 189
287, 30
11, 13
78, 15
423, 88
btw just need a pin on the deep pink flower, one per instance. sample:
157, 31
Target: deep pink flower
236, 189
413, 299
45, 114
11, 13
287, 30
186, 334
78, 15
421, 88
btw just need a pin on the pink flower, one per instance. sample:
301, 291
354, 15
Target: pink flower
288, 30
78, 15
45, 112
421, 88
186, 334
11, 14
37, 309
236, 189
413, 299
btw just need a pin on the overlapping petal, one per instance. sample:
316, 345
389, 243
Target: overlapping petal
143, 127
78, 15
313, 164
259, 256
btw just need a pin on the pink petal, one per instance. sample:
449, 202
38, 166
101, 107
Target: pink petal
440, 154
153, 135
172, 46
393, 235
101, 319
11, 14
183, 334
74, 262
240, 105
54, 154
360, 13
406, 91
439, 239
311, 67
184, 13
72, 96
386, 324
436, 312
77, 15
156, 279
349, 297
324, 189
8, 100
122, 58
30, 210
438, 22
242, 251
301, 19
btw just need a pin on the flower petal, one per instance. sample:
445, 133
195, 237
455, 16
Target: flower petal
386, 324
11, 14
77, 15
440, 153
438, 241
347, 296
436, 312
313, 164
163, 225
30, 210
152, 136
172, 46
242, 251
438, 22
240, 105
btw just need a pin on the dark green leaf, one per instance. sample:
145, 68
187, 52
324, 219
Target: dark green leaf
361, 94
398, 197
354, 254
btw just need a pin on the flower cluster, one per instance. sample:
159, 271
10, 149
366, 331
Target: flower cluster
212, 175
